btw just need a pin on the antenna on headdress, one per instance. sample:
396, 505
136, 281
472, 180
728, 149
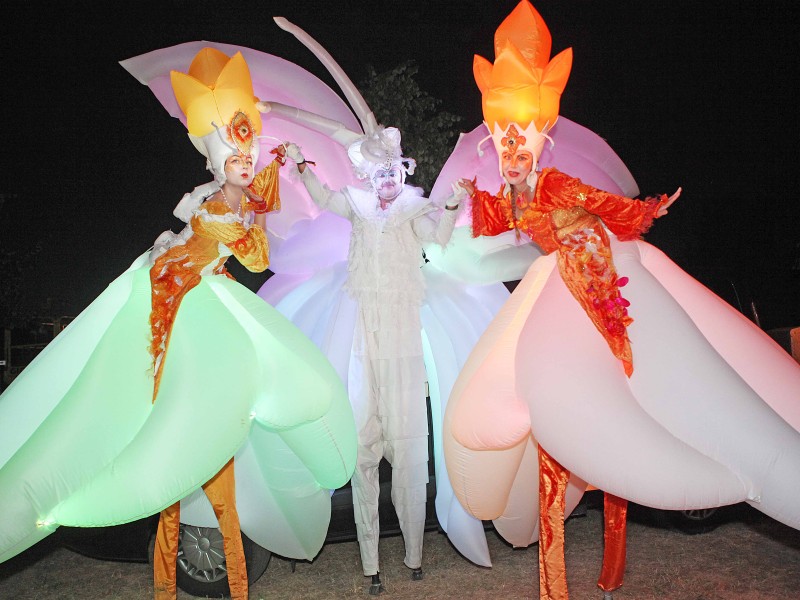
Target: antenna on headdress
357, 102
335, 130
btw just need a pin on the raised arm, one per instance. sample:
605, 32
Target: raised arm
321, 194
438, 230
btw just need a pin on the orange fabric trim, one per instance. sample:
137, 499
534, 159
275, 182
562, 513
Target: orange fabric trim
627, 218
567, 216
166, 552
615, 531
553, 480
266, 187
249, 246
587, 269
169, 283
490, 214
221, 492
227, 233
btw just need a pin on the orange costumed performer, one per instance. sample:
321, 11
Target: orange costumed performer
521, 94
219, 360
644, 396
217, 98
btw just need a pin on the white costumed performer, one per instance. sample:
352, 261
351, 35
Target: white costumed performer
386, 381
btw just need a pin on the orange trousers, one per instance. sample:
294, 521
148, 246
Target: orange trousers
553, 480
220, 490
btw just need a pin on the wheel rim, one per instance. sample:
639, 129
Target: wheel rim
201, 553
700, 514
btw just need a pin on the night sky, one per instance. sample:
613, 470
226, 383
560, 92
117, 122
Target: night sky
694, 94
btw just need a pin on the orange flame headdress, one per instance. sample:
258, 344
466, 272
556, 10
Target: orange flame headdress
522, 89
217, 98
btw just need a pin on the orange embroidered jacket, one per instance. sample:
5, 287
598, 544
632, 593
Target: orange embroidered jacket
567, 216
216, 233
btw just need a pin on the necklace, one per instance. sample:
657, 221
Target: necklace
225, 199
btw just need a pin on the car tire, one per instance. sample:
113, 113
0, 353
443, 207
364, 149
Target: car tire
693, 522
201, 561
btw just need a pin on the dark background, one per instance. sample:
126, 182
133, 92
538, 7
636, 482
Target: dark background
694, 94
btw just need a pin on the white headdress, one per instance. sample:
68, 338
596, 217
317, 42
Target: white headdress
377, 147
216, 95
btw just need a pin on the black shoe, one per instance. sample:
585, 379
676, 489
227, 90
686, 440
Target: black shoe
417, 574
376, 587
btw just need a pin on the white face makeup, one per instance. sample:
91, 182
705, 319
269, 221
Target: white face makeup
239, 170
388, 183
516, 167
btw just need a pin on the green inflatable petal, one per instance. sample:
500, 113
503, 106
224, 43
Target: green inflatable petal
327, 447
293, 513
45, 381
298, 382
199, 420
97, 417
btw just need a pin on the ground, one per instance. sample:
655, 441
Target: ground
750, 558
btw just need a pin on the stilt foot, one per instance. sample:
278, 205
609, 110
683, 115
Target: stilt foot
376, 587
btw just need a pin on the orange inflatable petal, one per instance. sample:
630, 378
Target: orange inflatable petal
525, 28
214, 92
482, 69
512, 70
557, 72
207, 65
514, 95
197, 103
233, 91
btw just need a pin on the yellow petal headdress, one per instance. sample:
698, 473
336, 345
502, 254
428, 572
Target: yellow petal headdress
216, 95
523, 87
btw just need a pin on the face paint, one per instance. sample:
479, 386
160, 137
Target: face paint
239, 170
388, 183
517, 166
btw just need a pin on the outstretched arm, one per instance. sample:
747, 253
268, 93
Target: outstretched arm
439, 230
628, 218
488, 214
321, 194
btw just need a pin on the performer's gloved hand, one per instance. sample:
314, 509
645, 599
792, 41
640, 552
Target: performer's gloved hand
293, 152
263, 106
458, 196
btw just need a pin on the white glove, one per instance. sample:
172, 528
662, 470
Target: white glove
459, 195
293, 152
263, 106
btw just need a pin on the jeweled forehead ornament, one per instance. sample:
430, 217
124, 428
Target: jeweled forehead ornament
242, 133
512, 140
216, 96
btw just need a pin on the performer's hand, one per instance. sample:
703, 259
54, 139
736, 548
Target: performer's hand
663, 209
263, 107
293, 152
280, 152
467, 185
459, 195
